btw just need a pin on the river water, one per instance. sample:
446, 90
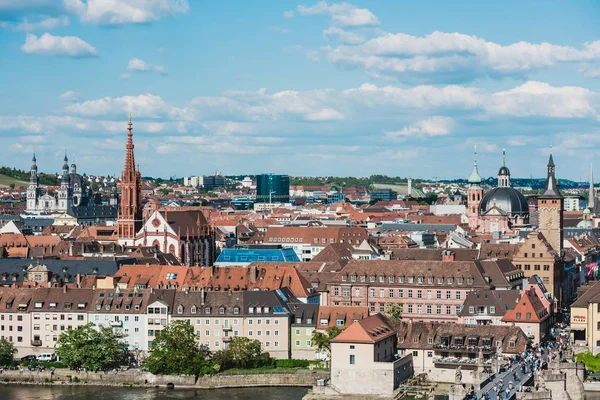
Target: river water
23, 392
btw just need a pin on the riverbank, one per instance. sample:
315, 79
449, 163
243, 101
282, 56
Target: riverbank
301, 378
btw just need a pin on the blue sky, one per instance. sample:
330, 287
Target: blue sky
304, 88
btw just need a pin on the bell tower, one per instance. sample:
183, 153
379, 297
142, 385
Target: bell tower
550, 209
129, 220
474, 194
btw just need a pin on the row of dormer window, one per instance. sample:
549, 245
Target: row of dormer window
411, 279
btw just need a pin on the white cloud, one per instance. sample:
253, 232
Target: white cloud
117, 12
312, 55
281, 30
47, 44
327, 114
144, 105
342, 14
343, 36
288, 14
591, 71
69, 96
137, 65
38, 24
540, 99
443, 56
433, 126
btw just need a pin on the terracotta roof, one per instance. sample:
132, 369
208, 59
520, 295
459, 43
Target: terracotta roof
433, 254
369, 330
323, 235
415, 268
528, 305
336, 252
499, 250
417, 335
348, 314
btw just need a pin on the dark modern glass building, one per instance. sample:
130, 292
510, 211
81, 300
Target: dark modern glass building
272, 188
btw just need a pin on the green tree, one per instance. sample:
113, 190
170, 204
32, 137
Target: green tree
96, 348
243, 351
394, 312
175, 351
7, 353
323, 339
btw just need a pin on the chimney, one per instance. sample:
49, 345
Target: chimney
65, 289
71, 249
78, 280
202, 296
447, 255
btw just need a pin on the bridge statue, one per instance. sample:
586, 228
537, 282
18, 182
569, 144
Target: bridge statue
458, 375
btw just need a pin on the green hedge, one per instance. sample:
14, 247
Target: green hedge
45, 364
295, 363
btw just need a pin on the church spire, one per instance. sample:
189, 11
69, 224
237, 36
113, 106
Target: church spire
33, 179
475, 178
551, 189
130, 208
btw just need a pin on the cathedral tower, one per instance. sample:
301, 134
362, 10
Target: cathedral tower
33, 189
130, 209
550, 210
63, 192
474, 194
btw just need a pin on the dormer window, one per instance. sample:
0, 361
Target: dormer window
250, 310
127, 307
258, 310
107, 307
420, 279
236, 310
207, 310
180, 310
98, 306
221, 310
266, 310
193, 310
38, 305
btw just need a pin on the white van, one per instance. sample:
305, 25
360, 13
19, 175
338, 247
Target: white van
47, 357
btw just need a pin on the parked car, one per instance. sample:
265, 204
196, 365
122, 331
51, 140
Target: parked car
29, 358
47, 357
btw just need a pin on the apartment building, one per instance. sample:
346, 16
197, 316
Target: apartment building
54, 310
439, 349
486, 306
217, 317
15, 319
585, 317
426, 290
123, 310
304, 323
308, 241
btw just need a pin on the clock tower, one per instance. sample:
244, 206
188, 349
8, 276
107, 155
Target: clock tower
550, 210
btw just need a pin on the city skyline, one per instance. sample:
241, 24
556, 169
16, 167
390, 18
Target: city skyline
301, 88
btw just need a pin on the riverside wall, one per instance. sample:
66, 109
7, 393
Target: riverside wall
134, 378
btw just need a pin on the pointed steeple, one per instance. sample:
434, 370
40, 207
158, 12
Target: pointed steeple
475, 178
33, 179
551, 189
592, 193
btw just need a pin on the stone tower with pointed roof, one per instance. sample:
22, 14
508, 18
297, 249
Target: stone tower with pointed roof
130, 208
550, 210
474, 195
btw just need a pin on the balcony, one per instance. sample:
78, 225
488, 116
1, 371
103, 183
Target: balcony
116, 324
227, 338
36, 342
453, 362
463, 348
227, 328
